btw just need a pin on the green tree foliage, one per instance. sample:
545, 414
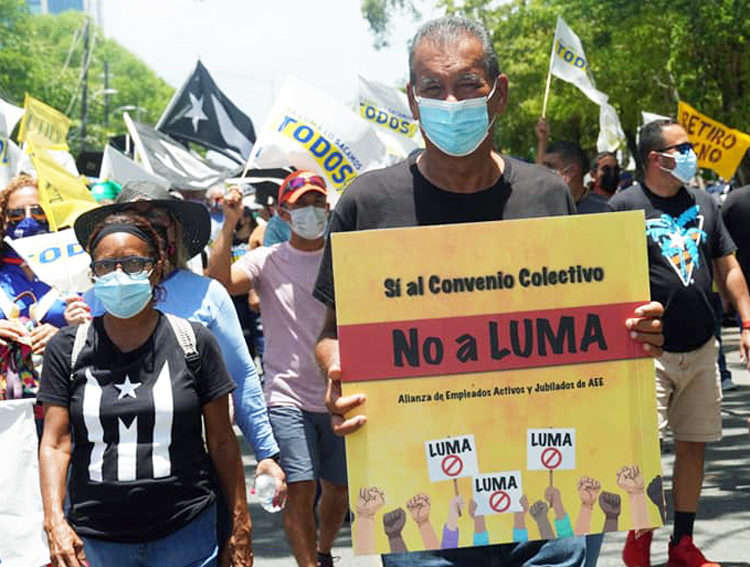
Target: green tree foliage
33, 55
645, 55
378, 15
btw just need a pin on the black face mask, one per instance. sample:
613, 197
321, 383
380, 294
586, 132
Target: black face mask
609, 179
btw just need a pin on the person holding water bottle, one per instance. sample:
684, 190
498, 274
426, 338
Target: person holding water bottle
283, 276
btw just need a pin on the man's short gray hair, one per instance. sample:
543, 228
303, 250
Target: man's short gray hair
448, 30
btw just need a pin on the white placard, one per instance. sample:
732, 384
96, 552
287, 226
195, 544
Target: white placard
497, 493
452, 457
22, 539
56, 258
551, 449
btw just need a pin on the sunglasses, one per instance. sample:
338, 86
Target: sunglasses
17, 214
683, 148
131, 265
300, 182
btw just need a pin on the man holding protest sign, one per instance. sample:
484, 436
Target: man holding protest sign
283, 275
454, 79
687, 242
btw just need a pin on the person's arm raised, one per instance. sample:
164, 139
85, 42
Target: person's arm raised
220, 266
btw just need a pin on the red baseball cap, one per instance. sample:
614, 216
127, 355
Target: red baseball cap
298, 183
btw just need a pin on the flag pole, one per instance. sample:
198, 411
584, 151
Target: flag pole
546, 92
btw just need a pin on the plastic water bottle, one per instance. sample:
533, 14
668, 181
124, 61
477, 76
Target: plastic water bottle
265, 489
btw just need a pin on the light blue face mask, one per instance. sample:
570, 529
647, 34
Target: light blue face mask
457, 128
685, 165
122, 295
309, 222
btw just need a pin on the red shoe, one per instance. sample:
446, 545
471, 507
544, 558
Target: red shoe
685, 554
637, 551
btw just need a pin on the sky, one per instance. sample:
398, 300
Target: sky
250, 46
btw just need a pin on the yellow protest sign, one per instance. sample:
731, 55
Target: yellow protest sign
62, 195
717, 146
505, 398
43, 125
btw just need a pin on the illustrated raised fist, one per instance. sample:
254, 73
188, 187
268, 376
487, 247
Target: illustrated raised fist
539, 509
393, 522
369, 501
588, 490
655, 493
524, 502
630, 479
610, 503
419, 507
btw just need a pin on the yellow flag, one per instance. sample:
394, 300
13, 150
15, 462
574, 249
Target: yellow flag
62, 195
718, 147
43, 125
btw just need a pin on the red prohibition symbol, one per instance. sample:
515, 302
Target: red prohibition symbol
551, 458
452, 465
499, 501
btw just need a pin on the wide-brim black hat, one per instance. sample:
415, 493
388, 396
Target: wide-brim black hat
193, 218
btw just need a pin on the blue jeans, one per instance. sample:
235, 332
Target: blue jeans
565, 552
193, 545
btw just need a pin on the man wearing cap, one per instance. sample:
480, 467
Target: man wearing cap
185, 227
283, 276
456, 91
688, 245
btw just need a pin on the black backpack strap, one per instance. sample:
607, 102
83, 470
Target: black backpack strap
78, 343
185, 335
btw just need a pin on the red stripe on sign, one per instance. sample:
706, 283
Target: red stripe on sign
482, 343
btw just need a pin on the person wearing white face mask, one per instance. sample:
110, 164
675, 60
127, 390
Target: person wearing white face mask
687, 244
283, 276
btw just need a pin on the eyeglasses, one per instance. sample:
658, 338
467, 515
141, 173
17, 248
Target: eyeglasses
299, 182
131, 265
683, 148
17, 214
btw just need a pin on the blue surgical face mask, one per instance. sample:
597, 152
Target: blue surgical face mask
122, 295
26, 227
457, 128
685, 167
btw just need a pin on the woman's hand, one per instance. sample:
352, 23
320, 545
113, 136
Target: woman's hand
11, 331
40, 336
77, 311
239, 549
65, 547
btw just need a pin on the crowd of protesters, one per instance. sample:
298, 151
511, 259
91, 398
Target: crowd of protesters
137, 372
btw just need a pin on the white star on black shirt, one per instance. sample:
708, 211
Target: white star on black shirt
127, 388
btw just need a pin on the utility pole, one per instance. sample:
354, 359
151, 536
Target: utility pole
84, 85
106, 94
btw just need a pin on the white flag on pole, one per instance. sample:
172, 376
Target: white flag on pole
387, 109
12, 114
611, 135
10, 154
309, 130
649, 117
568, 62
119, 167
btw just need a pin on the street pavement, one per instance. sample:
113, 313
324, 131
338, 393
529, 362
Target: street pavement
723, 523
